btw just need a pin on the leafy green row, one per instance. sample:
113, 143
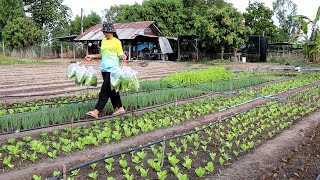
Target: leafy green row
199, 154
57, 142
64, 114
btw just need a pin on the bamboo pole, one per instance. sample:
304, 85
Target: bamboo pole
64, 171
72, 119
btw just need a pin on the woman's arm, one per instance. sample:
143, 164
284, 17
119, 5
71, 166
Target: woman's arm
92, 56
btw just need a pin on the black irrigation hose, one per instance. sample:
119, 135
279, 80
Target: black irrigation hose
152, 143
51, 94
126, 94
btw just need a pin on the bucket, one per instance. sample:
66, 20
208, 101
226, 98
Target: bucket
244, 59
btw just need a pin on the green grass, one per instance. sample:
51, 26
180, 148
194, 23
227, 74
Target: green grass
4, 60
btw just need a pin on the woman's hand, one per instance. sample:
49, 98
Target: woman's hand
123, 60
88, 58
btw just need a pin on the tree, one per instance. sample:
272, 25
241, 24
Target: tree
112, 12
47, 13
21, 33
88, 21
170, 18
309, 31
9, 10
284, 10
259, 19
222, 28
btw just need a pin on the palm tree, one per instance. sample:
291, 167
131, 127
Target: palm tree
309, 30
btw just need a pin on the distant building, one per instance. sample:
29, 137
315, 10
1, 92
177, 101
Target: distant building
142, 40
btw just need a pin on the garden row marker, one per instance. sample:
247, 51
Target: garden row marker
64, 172
175, 109
163, 149
72, 119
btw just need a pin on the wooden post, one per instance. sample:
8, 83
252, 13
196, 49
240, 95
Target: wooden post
64, 171
87, 47
197, 49
179, 51
3, 48
74, 51
175, 109
163, 150
130, 46
72, 119
61, 50
6, 104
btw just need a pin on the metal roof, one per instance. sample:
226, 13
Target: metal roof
124, 31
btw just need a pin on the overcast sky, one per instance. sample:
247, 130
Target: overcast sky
305, 7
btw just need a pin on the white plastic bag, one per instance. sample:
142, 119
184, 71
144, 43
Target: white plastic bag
72, 70
115, 76
124, 79
91, 76
80, 75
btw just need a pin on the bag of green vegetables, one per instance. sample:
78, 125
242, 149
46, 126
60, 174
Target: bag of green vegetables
91, 75
81, 75
72, 70
124, 79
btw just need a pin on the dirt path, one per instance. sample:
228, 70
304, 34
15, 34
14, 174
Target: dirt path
30, 80
253, 164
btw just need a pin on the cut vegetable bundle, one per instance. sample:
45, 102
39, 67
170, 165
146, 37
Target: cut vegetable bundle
83, 76
124, 79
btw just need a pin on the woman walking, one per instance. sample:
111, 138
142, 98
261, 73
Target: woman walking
111, 52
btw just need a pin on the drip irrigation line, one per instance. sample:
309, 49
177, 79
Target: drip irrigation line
127, 94
136, 111
91, 88
155, 142
109, 116
39, 95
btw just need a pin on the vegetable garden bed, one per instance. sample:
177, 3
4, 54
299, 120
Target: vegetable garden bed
146, 128
194, 155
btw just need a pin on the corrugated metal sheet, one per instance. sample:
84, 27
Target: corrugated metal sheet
124, 31
165, 45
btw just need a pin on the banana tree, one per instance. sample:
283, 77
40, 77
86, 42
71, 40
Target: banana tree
309, 31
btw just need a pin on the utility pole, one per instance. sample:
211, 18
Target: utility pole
3, 48
81, 20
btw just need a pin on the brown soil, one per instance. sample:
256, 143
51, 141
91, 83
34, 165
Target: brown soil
30, 80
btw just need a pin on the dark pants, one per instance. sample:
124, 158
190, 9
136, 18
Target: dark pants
106, 92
